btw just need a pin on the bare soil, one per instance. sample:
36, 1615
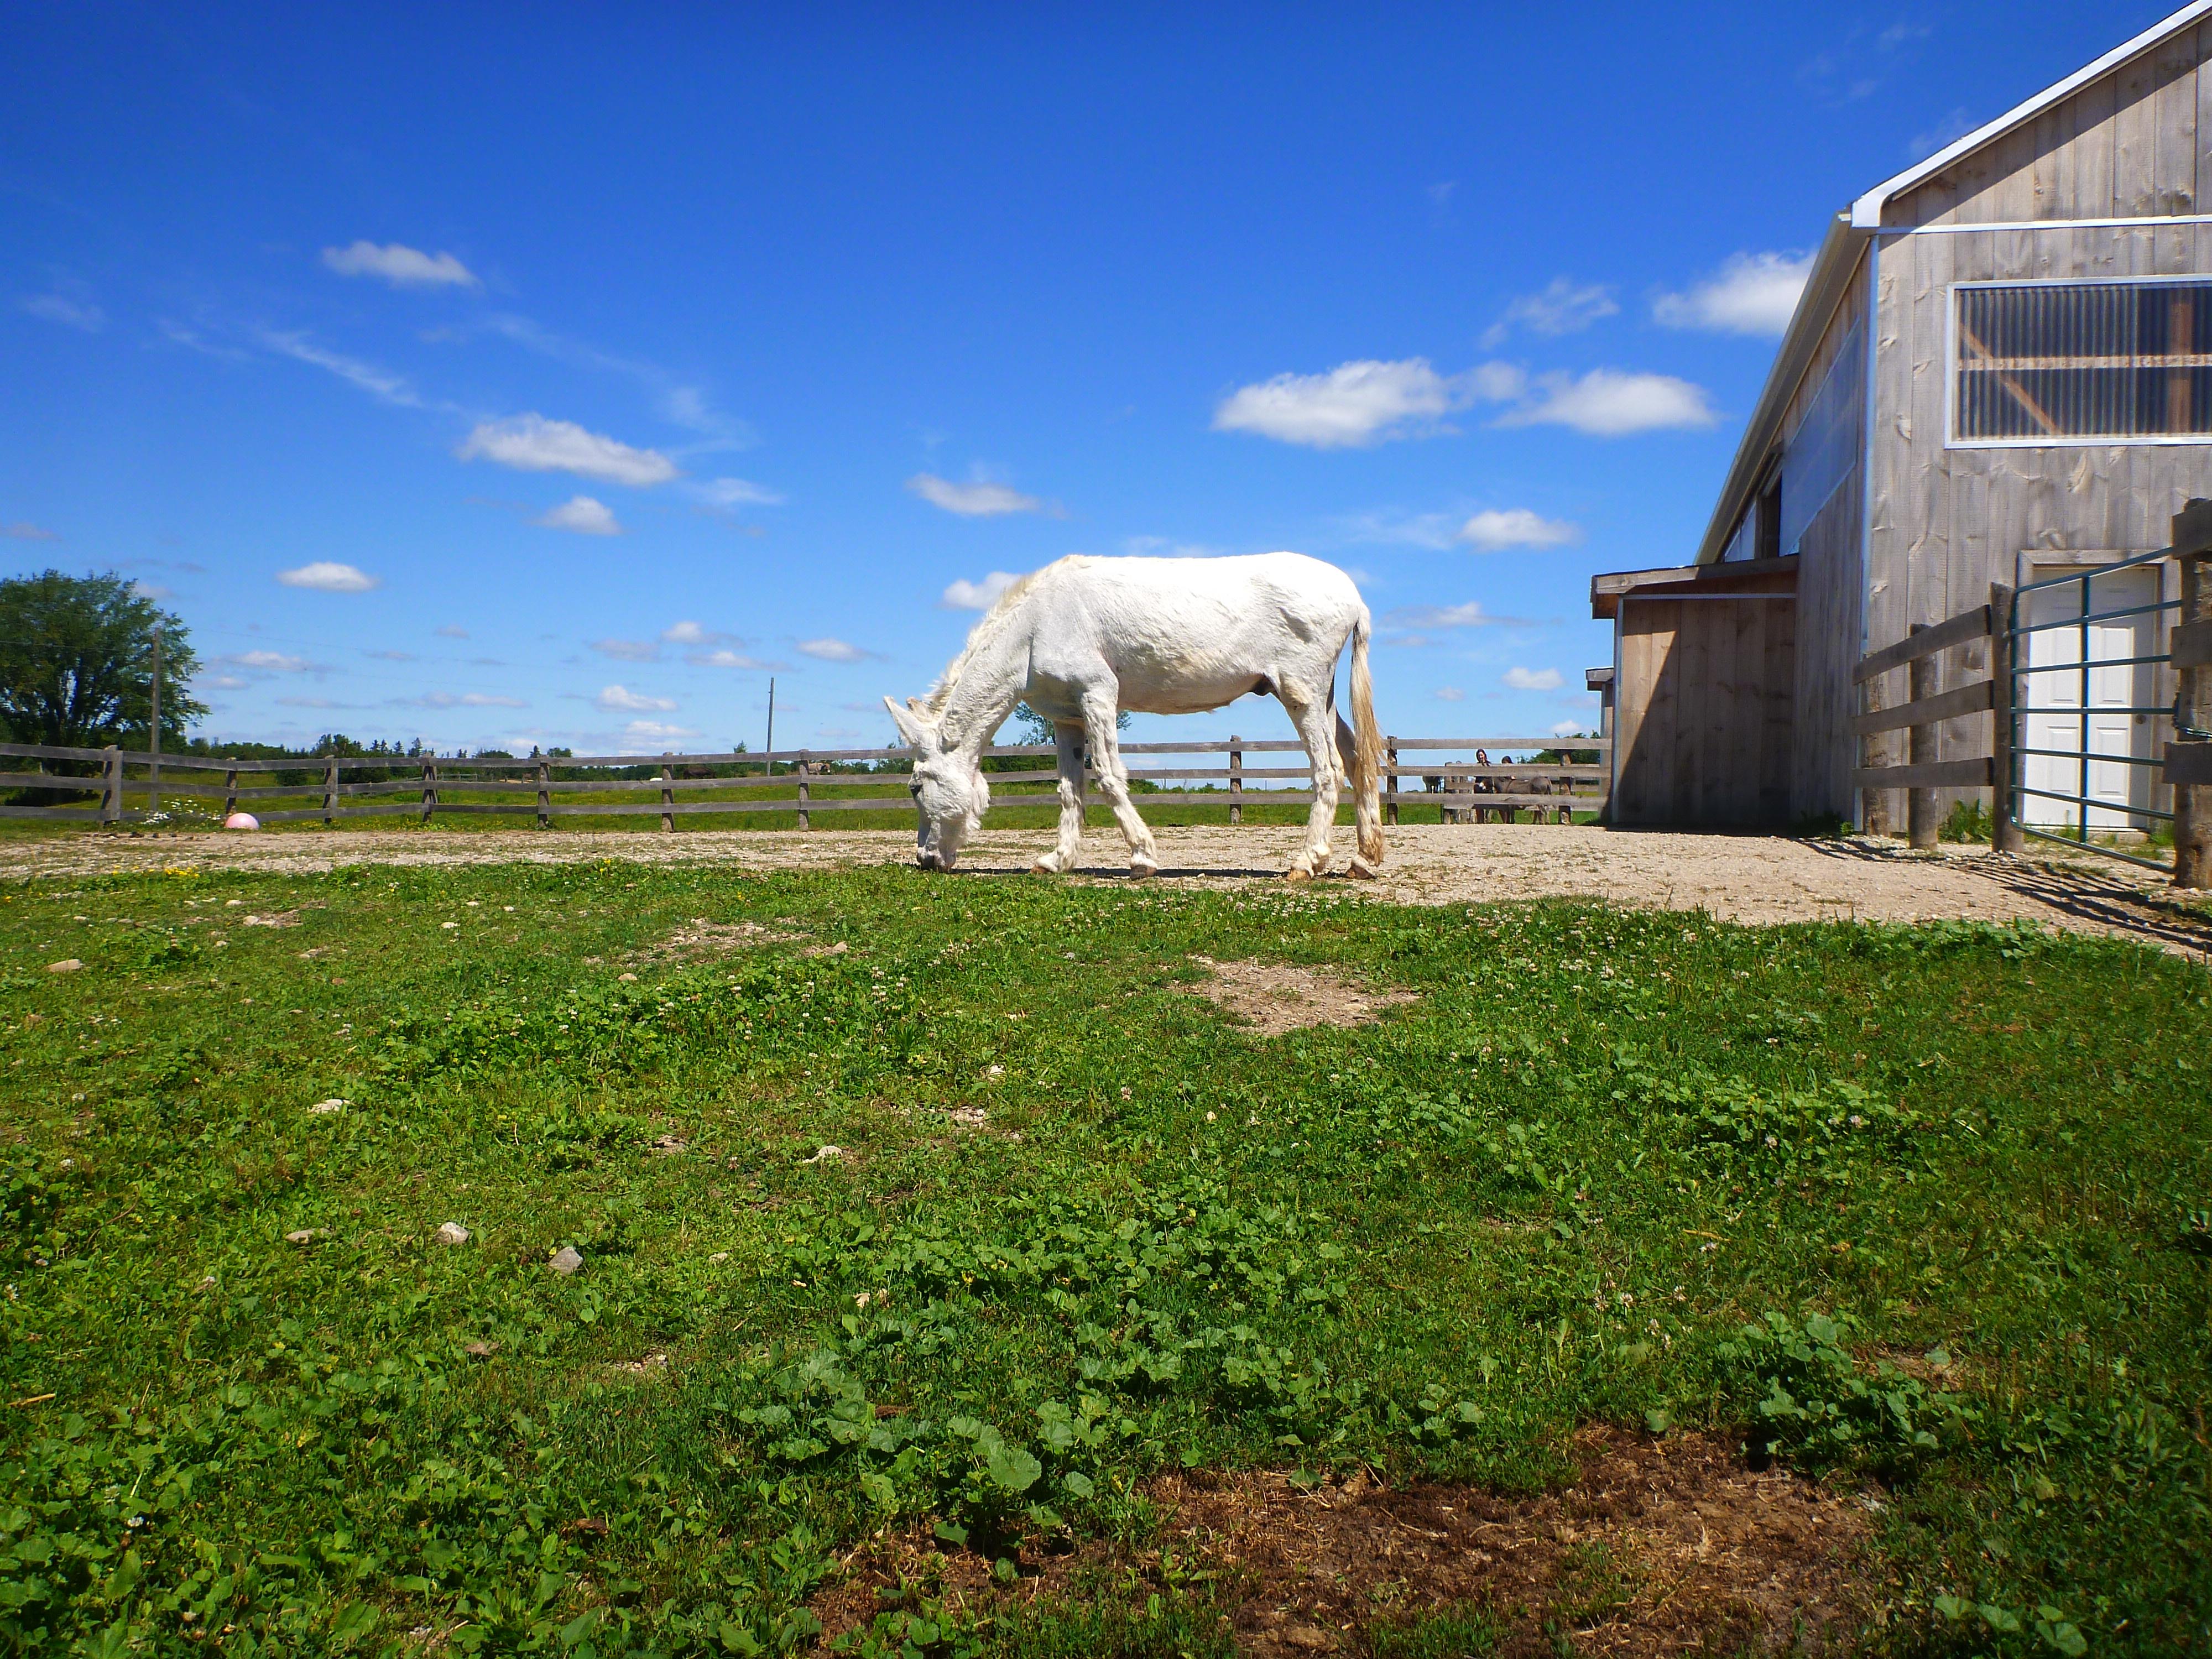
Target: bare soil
1660, 1547
1272, 998
1735, 877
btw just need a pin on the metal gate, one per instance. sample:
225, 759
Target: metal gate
2087, 736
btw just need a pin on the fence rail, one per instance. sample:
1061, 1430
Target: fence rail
330, 789
2185, 764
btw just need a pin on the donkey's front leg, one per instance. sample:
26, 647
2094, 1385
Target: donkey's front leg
1114, 784
1063, 858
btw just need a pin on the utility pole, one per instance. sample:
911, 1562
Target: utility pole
154, 734
771, 726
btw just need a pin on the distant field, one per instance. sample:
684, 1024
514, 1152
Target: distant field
1090, 1255
1159, 807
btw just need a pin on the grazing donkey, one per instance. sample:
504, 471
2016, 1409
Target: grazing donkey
1084, 637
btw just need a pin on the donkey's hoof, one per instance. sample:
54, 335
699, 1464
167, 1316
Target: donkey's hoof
1297, 873
1361, 869
1140, 869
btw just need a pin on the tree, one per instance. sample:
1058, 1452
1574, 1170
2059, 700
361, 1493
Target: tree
76, 663
1029, 726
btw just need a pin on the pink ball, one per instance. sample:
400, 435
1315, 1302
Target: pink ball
241, 821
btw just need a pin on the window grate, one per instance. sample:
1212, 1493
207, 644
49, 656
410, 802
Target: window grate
2060, 361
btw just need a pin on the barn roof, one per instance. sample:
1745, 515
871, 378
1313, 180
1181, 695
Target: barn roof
1839, 258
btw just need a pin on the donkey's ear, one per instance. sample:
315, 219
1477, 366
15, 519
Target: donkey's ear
914, 732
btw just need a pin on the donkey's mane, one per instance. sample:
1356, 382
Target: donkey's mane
987, 630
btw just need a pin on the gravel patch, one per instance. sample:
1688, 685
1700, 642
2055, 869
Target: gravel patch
1734, 878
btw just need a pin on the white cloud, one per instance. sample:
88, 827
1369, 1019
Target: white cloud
24, 531
270, 662
730, 659
731, 493
391, 656
1433, 531
400, 265
1352, 405
327, 576
1563, 306
225, 682
1750, 294
964, 595
146, 589
621, 700
1448, 693
1609, 403
75, 309
1493, 531
452, 631
972, 501
1533, 679
1470, 614
834, 651
582, 514
530, 443
381, 383
655, 732
464, 700
628, 650
686, 632
1569, 729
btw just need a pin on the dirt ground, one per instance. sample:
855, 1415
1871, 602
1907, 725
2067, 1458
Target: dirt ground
1662, 1547
1748, 879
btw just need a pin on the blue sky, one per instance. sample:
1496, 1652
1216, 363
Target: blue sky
497, 375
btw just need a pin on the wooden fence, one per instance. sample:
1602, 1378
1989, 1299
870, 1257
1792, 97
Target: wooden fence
2185, 764
547, 787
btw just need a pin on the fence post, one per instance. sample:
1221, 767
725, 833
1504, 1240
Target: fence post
2005, 835
667, 791
1873, 751
330, 791
544, 793
1236, 782
2192, 708
429, 787
110, 784
1390, 813
805, 769
1920, 804
230, 791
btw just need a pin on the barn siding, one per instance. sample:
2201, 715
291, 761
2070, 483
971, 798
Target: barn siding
1944, 524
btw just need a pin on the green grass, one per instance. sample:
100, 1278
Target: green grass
1555, 1191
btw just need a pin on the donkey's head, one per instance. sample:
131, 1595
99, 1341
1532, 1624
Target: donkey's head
948, 787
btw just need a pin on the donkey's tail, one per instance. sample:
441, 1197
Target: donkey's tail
1367, 750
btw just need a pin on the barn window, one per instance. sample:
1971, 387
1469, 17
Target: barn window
2050, 362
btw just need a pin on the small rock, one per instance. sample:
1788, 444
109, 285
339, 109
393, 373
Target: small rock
566, 1261
1311, 1638
720, 1255
825, 1154
66, 965
307, 1235
452, 1233
969, 1117
670, 1143
480, 1350
626, 979
333, 1104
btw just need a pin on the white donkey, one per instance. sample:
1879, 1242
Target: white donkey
1083, 638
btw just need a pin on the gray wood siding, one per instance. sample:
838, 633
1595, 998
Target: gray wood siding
2130, 144
1943, 524
1703, 720
1829, 585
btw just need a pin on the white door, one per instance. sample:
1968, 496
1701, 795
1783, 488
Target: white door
2056, 702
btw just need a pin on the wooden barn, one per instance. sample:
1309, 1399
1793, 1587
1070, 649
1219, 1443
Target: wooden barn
2000, 370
